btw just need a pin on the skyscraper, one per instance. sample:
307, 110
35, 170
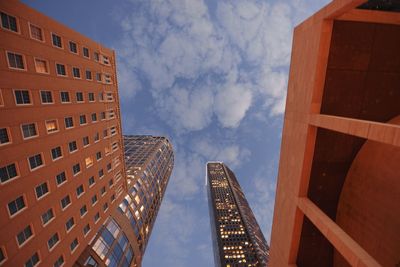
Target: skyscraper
236, 236
123, 238
61, 158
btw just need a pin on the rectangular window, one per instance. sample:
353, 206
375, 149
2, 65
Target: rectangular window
94, 117
76, 72
91, 97
105, 133
86, 229
54, 239
36, 32
106, 60
61, 71
65, 97
72, 146
51, 126
59, 262
83, 210
22, 97
79, 96
16, 205
41, 66
70, 223
80, 190
86, 52
76, 169
103, 190
89, 162
113, 130
101, 97
69, 122
33, 260
96, 56
112, 198
88, 75
94, 200
98, 155
96, 217
41, 190
82, 119
65, 202
109, 167
102, 115
8, 172
110, 183
96, 137
107, 78
57, 41
73, 47
35, 161
98, 77
15, 61
4, 139
2, 256
47, 216
56, 153
9, 22
46, 97
91, 181
24, 235
74, 244
101, 173
85, 140
61, 178
28, 130
105, 207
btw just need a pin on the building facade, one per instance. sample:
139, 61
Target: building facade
338, 190
61, 151
236, 236
123, 238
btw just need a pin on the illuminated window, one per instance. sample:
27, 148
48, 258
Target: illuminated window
89, 162
137, 199
51, 126
41, 66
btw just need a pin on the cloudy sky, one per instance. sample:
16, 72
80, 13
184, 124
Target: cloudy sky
212, 76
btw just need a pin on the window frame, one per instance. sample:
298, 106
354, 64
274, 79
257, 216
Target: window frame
16, 22
85, 233
15, 177
39, 259
20, 210
79, 72
65, 69
52, 41
65, 124
76, 52
32, 136
86, 76
63, 182
84, 118
80, 169
83, 52
75, 247
43, 195
27, 239
83, 97
69, 148
23, 61
57, 260
8, 132
72, 226
55, 244
41, 97
69, 204
4, 252
78, 195
57, 158
23, 104
30, 32
38, 167
61, 98
44, 224
84, 207
54, 131
47, 65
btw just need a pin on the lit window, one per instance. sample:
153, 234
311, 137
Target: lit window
9, 22
73, 47
61, 71
65, 202
36, 32
22, 97
4, 139
8, 172
35, 161
83, 210
79, 97
41, 66
56, 153
41, 190
76, 72
33, 260
89, 162
51, 126
56, 40
47, 216
86, 52
46, 97
88, 75
59, 262
24, 235
65, 97
15, 61
82, 119
70, 223
69, 122
29, 130
76, 169
61, 178
54, 239
16, 205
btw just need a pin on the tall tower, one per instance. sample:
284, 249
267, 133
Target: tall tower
237, 238
123, 238
61, 157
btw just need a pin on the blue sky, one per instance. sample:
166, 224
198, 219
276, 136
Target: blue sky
210, 75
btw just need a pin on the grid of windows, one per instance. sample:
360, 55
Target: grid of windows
16, 61
9, 22
72, 146
35, 161
69, 122
16, 205
53, 240
29, 130
41, 190
65, 202
61, 178
47, 216
33, 260
65, 97
22, 97
36, 32
56, 40
46, 96
8, 172
73, 47
24, 235
76, 169
61, 69
56, 153
76, 72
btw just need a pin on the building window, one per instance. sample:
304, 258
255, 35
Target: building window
65, 202
98, 155
79, 96
91, 97
94, 117
2, 256
56, 40
47, 216
101, 173
96, 217
94, 200
70, 223
35, 161
33, 261
61, 71
61, 178
82, 119
98, 77
41, 190
16, 205
65, 97
96, 137
96, 56
103, 190
101, 96
46, 97
85, 141
56, 153
107, 78
9, 22
110, 183
36, 32
112, 198
88, 75
73, 47
106, 60
74, 244
41, 66
76, 72
51, 126
15, 61
54, 239
86, 52
8, 172
59, 262
76, 169
79, 190
4, 139
86, 229
89, 162
102, 115
24, 235
83, 210
28, 130
109, 167
91, 181
22, 97
69, 122
105, 207
113, 130
72, 146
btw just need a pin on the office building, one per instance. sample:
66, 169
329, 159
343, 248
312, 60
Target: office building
61, 152
237, 238
338, 190
123, 238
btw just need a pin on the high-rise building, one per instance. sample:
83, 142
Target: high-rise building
61, 151
123, 238
338, 189
236, 236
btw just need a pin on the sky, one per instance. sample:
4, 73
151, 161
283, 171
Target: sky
211, 75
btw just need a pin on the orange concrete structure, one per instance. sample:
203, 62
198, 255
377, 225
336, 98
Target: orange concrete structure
338, 190
61, 151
